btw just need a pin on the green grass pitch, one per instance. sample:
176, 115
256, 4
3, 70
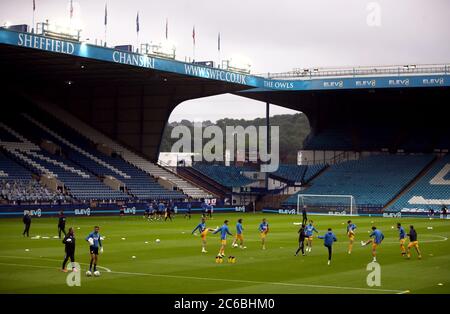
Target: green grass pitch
176, 264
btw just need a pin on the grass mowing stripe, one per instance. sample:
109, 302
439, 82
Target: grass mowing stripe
51, 260
227, 280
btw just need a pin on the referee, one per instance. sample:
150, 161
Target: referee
69, 242
301, 241
61, 223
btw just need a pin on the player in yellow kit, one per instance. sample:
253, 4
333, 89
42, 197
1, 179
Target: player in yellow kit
351, 235
263, 231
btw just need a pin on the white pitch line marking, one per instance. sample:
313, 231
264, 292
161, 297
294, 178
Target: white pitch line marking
52, 260
256, 282
229, 280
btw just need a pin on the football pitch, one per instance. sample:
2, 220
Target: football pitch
133, 262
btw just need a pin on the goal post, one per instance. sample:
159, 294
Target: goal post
326, 203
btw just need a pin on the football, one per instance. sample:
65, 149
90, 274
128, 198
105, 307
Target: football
96, 273
157, 240
89, 273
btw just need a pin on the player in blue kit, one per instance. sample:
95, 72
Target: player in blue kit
95, 243
224, 231
376, 238
201, 227
328, 239
239, 235
309, 230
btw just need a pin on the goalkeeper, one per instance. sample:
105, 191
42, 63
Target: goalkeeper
95, 243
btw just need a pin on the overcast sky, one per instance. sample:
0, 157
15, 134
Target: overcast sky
276, 35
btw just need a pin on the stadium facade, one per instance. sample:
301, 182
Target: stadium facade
86, 122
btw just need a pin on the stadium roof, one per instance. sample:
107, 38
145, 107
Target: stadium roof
130, 96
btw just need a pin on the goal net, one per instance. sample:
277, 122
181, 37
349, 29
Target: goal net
327, 204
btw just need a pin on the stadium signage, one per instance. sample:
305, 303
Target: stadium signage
333, 84
45, 43
287, 211
131, 210
240, 209
215, 74
399, 82
275, 84
337, 213
433, 81
133, 59
33, 212
392, 215
366, 83
83, 212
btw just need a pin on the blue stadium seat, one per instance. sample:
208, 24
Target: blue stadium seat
430, 192
373, 181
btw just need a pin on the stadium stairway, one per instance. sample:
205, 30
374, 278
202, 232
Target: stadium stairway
191, 174
430, 191
139, 162
82, 153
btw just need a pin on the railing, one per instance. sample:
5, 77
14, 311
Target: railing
395, 70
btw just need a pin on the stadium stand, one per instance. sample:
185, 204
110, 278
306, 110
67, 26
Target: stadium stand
297, 174
17, 184
137, 161
83, 167
227, 176
373, 181
430, 192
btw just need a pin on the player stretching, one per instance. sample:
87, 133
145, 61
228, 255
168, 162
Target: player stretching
239, 235
309, 230
377, 237
95, 243
402, 238
69, 242
351, 235
301, 241
263, 231
201, 227
328, 239
223, 237
413, 242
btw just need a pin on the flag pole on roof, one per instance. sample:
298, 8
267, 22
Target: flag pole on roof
106, 20
218, 50
167, 28
71, 12
32, 22
137, 31
193, 43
